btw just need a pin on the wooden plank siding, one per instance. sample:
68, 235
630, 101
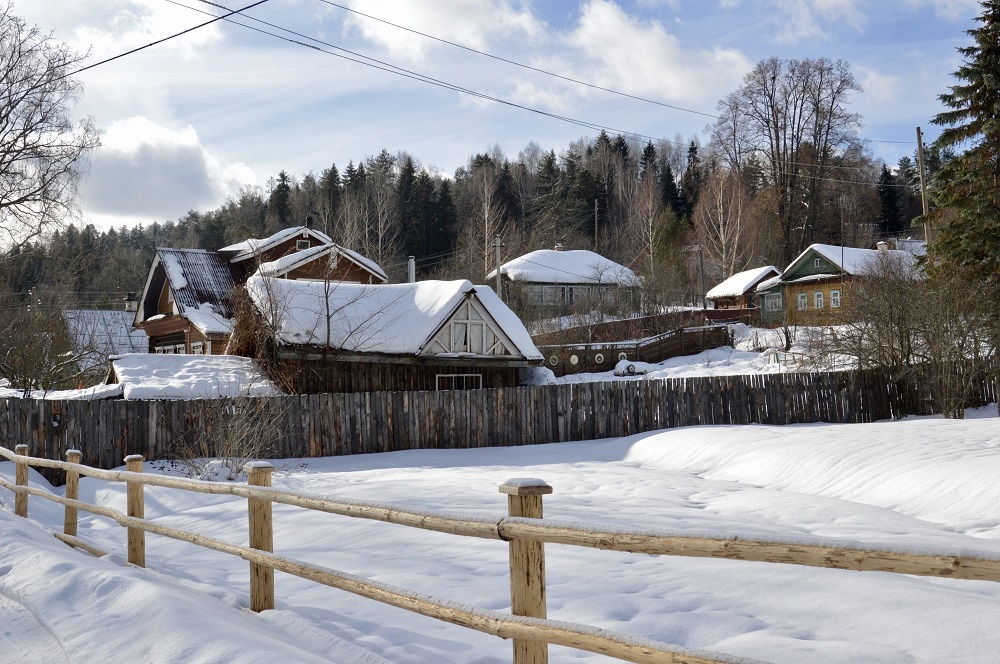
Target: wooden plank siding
333, 424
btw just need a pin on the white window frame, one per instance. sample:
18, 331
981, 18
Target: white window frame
817, 262
458, 381
803, 301
772, 302
818, 299
302, 245
834, 299
197, 348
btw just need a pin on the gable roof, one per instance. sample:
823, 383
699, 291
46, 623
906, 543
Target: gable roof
742, 282
286, 264
851, 260
99, 333
201, 283
395, 319
254, 246
578, 266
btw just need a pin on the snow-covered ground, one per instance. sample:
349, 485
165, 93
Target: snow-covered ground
925, 484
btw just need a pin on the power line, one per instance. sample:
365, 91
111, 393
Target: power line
160, 41
520, 64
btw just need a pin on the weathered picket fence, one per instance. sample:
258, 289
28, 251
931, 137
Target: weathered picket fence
523, 529
341, 424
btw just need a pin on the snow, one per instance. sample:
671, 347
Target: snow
207, 320
175, 273
252, 246
83, 394
578, 266
920, 485
397, 319
153, 376
740, 283
854, 260
286, 263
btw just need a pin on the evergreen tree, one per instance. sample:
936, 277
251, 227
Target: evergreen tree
648, 162
279, 206
888, 195
969, 185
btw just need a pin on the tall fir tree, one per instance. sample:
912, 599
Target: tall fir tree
968, 192
888, 195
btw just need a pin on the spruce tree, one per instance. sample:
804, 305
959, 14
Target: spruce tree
968, 191
888, 195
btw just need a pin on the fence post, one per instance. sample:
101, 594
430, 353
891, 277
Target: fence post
261, 537
72, 492
136, 508
21, 479
527, 566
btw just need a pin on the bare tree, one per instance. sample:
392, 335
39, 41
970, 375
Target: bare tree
793, 113
722, 220
382, 241
42, 152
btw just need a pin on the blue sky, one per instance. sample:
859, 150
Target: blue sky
188, 122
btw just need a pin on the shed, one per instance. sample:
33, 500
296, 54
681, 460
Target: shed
560, 278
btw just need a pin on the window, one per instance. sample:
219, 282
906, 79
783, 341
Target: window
459, 382
772, 302
803, 301
817, 262
835, 298
818, 299
197, 348
301, 245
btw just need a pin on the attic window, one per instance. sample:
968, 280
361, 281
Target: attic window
817, 262
301, 245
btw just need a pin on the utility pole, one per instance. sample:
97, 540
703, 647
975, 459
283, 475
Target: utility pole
923, 184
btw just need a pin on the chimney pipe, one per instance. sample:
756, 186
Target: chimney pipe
411, 270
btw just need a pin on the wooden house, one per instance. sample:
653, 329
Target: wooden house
738, 291
559, 279
428, 335
187, 305
813, 288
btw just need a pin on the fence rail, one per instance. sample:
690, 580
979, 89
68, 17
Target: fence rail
341, 424
523, 529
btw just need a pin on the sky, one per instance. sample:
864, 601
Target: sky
188, 122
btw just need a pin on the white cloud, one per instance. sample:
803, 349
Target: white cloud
952, 10
879, 87
798, 20
641, 58
144, 170
472, 23
110, 27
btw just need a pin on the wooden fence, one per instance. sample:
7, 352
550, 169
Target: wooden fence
523, 529
341, 424
576, 358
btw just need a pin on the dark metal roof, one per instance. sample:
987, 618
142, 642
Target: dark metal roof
207, 279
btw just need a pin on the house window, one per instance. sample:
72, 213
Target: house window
301, 245
835, 298
772, 302
467, 381
197, 348
818, 299
817, 262
553, 294
803, 301
179, 349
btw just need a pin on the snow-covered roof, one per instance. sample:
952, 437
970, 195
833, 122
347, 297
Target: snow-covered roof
154, 376
253, 246
852, 260
579, 266
84, 394
741, 282
99, 333
768, 283
396, 319
200, 282
289, 262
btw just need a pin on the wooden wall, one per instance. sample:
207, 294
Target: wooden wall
340, 424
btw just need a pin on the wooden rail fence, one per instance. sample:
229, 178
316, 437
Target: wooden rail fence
340, 424
523, 529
